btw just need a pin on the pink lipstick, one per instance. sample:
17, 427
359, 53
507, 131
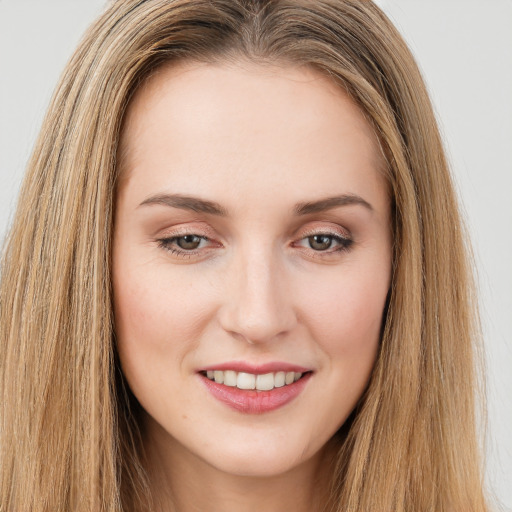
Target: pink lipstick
255, 389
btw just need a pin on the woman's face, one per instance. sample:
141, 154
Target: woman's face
252, 247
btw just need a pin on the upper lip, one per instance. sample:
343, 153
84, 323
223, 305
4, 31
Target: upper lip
256, 369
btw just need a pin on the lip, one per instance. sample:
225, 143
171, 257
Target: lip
256, 369
253, 401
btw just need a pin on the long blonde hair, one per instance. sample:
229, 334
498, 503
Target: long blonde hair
68, 435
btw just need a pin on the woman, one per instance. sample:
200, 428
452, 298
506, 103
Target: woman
236, 276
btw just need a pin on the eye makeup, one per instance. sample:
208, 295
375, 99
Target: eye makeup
189, 244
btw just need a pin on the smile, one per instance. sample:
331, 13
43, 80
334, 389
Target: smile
249, 381
255, 390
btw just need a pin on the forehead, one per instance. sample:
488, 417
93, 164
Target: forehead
202, 126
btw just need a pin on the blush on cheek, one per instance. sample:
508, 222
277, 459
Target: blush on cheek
347, 318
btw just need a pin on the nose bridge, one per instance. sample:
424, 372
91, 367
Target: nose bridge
258, 307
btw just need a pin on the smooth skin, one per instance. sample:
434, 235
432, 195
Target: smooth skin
266, 270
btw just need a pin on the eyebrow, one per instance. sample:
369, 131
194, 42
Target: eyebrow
198, 205
329, 203
193, 204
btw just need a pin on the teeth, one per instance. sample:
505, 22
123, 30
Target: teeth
230, 378
242, 380
265, 382
279, 379
246, 381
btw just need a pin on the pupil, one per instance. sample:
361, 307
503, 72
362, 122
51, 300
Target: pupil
320, 242
189, 242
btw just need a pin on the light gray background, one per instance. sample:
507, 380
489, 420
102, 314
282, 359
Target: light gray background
464, 48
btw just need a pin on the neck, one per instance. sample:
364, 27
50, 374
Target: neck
182, 482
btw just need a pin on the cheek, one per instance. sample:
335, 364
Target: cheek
159, 317
346, 314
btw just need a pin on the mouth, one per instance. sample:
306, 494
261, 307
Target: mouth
258, 391
252, 381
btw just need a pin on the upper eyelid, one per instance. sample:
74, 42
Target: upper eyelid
177, 232
207, 233
342, 233
333, 233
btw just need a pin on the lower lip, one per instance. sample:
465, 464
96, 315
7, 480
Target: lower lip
252, 401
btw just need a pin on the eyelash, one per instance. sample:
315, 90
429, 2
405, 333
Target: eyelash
345, 243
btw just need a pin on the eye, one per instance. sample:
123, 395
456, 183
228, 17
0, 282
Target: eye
188, 242
325, 242
184, 245
320, 242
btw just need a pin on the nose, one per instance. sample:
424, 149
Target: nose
258, 305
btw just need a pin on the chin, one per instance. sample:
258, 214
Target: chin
261, 460
256, 466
